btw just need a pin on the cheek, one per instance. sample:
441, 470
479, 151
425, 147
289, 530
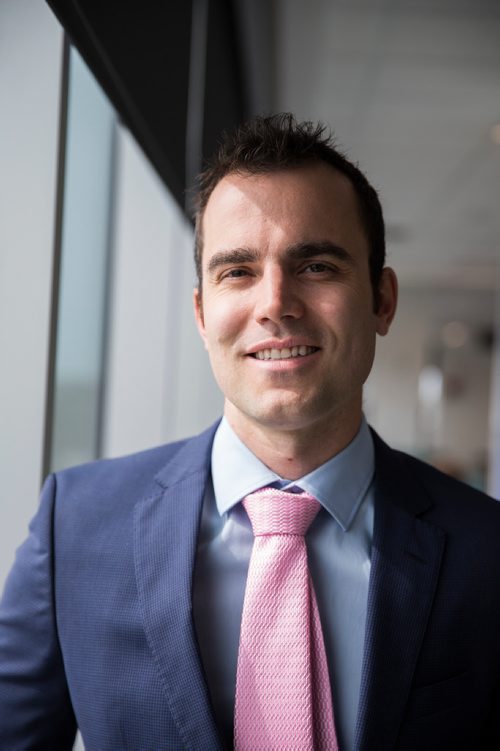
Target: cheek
223, 322
363, 335
341, 315
351, 321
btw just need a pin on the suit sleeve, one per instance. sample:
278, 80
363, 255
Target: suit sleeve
35, 707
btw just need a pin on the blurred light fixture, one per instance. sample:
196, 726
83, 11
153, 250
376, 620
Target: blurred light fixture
495, 133
430, 386
454, 334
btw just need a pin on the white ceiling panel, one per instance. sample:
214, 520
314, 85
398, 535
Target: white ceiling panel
411, 90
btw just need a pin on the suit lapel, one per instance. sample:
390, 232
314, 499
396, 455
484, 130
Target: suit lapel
406, 557
165, 534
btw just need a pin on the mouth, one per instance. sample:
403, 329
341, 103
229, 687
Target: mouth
285, 353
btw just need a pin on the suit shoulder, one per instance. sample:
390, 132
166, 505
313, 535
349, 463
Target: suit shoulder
127, 478
419, 487
439, 483
148, 461
467, 515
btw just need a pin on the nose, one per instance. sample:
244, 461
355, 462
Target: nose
277, 297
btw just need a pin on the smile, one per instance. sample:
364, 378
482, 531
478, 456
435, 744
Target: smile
284, 354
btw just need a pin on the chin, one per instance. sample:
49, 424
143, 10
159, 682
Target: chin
286, 417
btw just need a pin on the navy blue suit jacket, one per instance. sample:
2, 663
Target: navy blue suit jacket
96, 622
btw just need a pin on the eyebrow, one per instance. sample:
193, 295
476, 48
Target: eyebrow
297, 252
303, 251
237, 255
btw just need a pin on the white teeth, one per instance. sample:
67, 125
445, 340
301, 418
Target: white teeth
284, 354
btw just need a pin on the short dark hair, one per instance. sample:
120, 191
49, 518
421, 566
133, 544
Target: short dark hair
277, 142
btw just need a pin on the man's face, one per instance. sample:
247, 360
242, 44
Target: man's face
286, 311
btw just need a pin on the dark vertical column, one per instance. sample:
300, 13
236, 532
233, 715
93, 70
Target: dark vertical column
196, 94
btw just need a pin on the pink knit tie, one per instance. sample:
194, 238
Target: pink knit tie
283, 697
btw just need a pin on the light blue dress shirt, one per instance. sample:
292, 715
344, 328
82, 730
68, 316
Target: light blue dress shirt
339, 552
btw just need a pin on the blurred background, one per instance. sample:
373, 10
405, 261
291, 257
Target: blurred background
107, 111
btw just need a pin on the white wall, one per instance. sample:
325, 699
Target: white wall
30, 67
159, 385
461, 431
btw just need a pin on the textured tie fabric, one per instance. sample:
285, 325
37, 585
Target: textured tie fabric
283, 696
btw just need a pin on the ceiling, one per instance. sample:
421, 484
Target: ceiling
411, 89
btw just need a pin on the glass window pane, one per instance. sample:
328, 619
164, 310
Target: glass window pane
84, 270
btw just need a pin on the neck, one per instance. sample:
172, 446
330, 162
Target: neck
293, 453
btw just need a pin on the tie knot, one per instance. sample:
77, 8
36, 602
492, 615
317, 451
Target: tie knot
276, 512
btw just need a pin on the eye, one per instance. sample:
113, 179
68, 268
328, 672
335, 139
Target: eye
318, 267
234, 274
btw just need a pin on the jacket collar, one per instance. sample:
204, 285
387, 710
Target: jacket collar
192, 457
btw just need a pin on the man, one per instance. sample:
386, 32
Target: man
124, 610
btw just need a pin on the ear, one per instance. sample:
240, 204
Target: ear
198, 314
388, 298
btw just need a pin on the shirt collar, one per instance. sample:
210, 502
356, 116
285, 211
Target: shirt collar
340, 484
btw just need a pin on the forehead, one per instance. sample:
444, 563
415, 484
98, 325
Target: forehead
304, 204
